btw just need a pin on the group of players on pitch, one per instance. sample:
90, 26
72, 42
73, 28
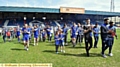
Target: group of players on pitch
107, 31
77, 33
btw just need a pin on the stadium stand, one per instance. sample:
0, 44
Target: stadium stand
15, 16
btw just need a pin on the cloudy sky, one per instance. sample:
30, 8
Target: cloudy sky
99, 5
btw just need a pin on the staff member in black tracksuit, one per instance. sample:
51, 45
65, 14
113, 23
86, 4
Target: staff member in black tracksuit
88, 36
104, 36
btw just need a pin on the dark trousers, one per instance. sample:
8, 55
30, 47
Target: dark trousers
110, 43
0, 34
65, 39
88, 41
40, 37
79, 38
104, 45
49, 37
4, 36
44, 39
96, 38
12, 35
56, 47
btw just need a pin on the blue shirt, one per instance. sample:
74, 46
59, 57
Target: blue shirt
30, 29
80, 31
18, 30
56, 40
43, 34
65, 30
113, 29
49, 31
25, 32
91, 34
61, 36
36, 31
74, 30
96, 31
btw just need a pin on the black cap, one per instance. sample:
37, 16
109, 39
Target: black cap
96, 23
106, 19
110, 22
87, 18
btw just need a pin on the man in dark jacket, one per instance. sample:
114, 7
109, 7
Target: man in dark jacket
104, 36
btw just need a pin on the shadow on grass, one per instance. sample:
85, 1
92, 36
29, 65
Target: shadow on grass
17, 49
51, 44
82, 55
49, 51
16, 43
21, 43
70, 54
77, 47
2, 42
5, 42
31, 44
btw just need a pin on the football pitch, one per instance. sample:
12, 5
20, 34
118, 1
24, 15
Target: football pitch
13, 52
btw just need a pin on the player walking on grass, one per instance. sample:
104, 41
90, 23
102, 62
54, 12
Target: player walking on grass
61, 37
88, 36
36, 35
44, 34
96, 30
111, 37
65, 33
74, 34
18, 33
49, 34
57, 41
26, 33
104, 36
80, 34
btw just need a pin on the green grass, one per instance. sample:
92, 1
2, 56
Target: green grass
13, 52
